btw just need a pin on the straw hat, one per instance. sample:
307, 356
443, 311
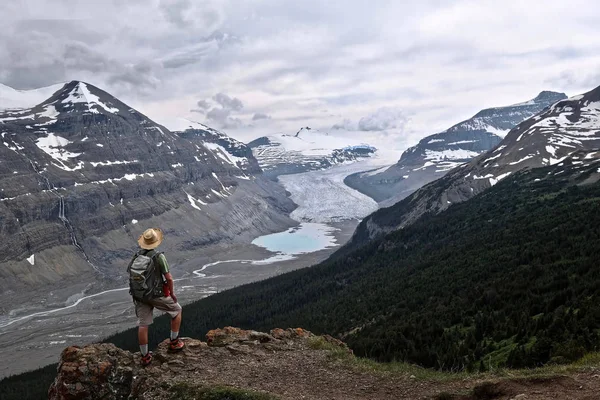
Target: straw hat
151, 238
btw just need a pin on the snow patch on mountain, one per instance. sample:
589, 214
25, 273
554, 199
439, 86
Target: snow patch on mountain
81, 94
311, 142
450, 154
11, 99
224, 155
54, 146
181, 124
308, 149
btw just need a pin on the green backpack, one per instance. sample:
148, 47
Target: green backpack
145, 278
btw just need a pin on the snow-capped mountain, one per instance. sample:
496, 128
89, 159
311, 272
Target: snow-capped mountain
11, 98
568, 131
225, 147
307, 150
437, 154
80, 170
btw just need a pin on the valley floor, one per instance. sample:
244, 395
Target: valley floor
42, 337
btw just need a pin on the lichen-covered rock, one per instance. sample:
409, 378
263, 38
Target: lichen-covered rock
97, 371
290, 333
229, 335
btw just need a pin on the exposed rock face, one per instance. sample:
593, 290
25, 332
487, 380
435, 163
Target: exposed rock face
437, 154
307, 150
569, 128
103, 371
79, 171
223, 146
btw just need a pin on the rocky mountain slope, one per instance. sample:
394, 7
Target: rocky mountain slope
307, 150
437, 154
82, 174
284, 364
226, 148
569, 126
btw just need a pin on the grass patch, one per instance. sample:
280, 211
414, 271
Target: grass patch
341, 355
499, 357
184, 391
591, 360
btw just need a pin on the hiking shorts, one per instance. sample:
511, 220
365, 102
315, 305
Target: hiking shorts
143, 310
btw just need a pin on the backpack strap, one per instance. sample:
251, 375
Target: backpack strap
132, 260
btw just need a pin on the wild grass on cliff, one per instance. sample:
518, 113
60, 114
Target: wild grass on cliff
186, 391
590, 361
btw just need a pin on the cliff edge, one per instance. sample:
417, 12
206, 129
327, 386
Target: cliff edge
237, 364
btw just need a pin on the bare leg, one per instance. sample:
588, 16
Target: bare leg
143, 334
175, 323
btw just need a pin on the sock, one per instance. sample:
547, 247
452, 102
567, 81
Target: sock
174, 335
144, 349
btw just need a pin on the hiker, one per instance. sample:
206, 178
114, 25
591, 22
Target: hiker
151, 286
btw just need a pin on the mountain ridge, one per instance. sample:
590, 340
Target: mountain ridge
82, 165
306, 150
568, 126
437, 154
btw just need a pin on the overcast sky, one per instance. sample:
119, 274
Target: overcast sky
385, 70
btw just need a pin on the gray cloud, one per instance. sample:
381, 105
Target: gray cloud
259, 116
201, 107
383, 119
176, 11
222, 117
203, 104
576, 78
293, 58
228, 103
140, 77
221, 113
345, 125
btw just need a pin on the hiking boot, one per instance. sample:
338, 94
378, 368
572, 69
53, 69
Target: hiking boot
146, 360
176, 345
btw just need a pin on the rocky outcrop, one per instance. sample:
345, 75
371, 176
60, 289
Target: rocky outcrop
283, 365
103, 371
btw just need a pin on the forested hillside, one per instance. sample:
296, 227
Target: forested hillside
509, 278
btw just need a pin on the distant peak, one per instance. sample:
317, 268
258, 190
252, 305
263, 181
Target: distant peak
593, 95
77, 94
307, 128
311, 130
546, 95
